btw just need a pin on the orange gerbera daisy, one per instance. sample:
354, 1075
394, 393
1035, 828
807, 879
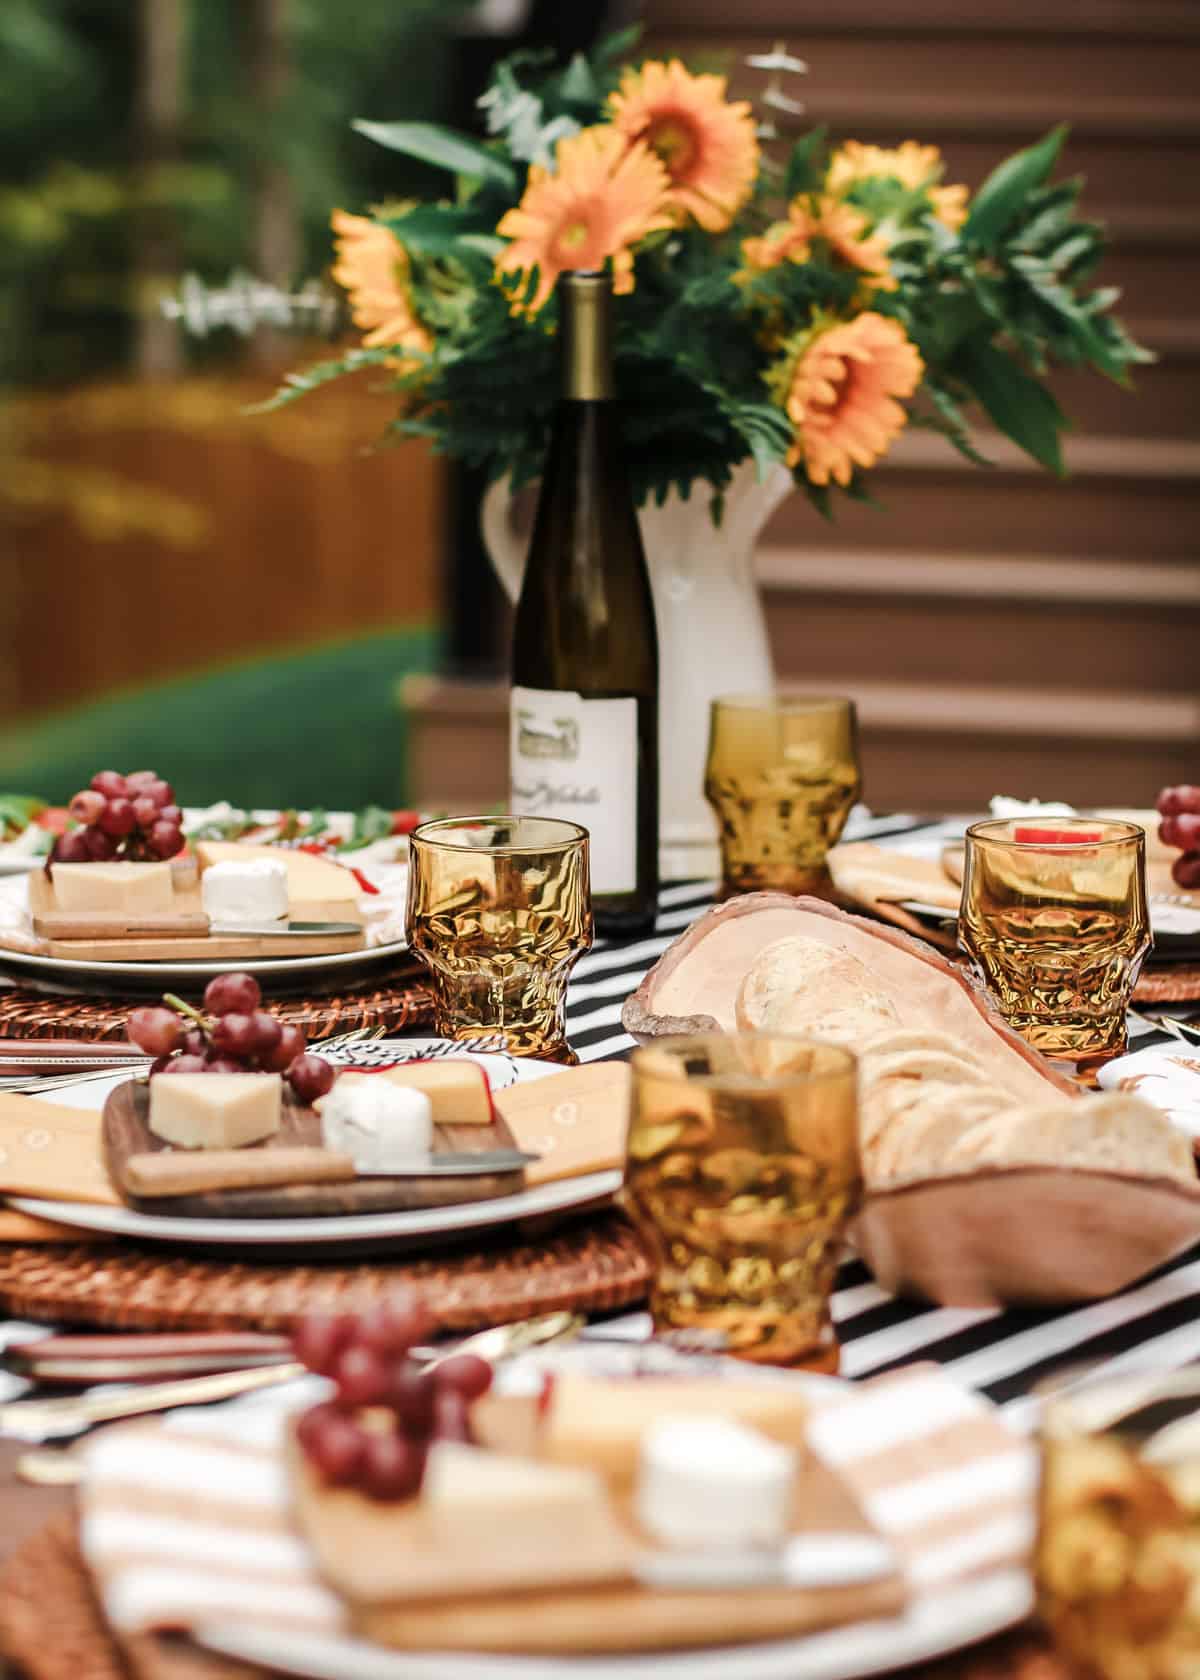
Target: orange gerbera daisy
842, 396
373, 266
912, 164
707, 145
602, 197
841, 226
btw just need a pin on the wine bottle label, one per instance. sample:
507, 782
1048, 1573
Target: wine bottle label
577, 758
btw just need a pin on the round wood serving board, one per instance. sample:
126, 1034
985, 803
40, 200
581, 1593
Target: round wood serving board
127, 1132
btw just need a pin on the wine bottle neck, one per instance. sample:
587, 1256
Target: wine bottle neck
586, 306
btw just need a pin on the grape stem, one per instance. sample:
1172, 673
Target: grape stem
182, 1008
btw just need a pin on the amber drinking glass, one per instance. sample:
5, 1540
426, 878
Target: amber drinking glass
1054, 917
499, 912
1118, 1550
782, 776
743, 1171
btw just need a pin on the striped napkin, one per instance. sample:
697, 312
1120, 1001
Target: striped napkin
186, 1521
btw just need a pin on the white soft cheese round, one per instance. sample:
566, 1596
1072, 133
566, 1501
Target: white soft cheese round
378, 1124
712, 1482
254, 891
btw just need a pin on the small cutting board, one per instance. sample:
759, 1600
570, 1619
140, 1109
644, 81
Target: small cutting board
127, 1132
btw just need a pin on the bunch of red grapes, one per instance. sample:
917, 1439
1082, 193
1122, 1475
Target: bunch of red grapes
1179, 808
387, 1411
134, 818
232, 1034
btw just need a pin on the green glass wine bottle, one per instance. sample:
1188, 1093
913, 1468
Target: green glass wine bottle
584, 720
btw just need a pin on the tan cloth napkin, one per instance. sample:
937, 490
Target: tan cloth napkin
187, 1521
876, 880
49, 1150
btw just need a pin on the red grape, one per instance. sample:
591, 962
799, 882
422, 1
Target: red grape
232, 994
85, 807
117, 818
165, 839
162, 793
1174, 801
156, 1031
392, 1467
145, 811
267, 1033
100, 846
110, 783
139, 779
361, 1376
1188, 828
410, 1395
451, 1421
234, 1035
338, 1449
394, 1327
310, 1077
171, 814
465, 1374
224, 1064
319, 1338
187, 1064
289, 1045
1185, 871
1168, 831
194, 1042
71, 848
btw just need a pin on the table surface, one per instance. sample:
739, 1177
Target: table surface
1003, 1354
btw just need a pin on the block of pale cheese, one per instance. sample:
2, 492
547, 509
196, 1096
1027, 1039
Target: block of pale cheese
478, 1500
593, 1422
215, 1110
318, 888
137, 889
458, 1090
245, 890
707, 1481
378, 1124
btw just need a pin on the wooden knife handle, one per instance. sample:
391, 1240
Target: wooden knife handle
117, 924
174, 1173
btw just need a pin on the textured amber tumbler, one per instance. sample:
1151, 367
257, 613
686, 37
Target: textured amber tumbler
1054, 917
782, 776
499, 912
742, 1174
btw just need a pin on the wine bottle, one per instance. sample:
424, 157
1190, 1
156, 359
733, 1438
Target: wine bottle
584, 720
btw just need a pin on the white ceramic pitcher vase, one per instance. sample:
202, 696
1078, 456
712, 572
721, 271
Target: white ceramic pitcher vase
712, 634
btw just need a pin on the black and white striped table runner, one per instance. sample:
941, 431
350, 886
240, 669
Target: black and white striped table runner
1157, 1322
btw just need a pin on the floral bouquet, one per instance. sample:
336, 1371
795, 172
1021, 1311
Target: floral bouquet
799, 310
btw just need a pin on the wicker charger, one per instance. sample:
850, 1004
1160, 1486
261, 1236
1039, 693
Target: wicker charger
397, 1002
52, 1628
590, 1264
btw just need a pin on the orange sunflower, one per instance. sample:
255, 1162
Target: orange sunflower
707, 145
912, 164
602, 197
373, 267
843, 396
841, 226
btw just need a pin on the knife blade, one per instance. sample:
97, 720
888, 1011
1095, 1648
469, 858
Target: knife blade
116, 924
164, 1173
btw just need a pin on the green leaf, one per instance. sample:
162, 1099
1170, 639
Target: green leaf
617, 45
442, 147
297, 385
820, 495
1009, 185
17, 810
804, 171
578, 85
434, 230
1021, 408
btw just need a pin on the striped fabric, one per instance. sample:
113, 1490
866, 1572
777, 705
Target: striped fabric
1000, 1353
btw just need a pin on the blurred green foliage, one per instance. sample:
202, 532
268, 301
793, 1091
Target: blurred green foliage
75, 185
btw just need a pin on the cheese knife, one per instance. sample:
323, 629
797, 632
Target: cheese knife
117, 924
155, 1173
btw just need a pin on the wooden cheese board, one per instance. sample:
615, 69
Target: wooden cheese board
126, 1133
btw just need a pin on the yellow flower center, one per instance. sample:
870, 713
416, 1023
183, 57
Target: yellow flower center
573, 235
675, 143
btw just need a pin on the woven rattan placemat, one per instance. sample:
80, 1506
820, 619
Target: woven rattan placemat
52, 1628
398, 1002
593, 1263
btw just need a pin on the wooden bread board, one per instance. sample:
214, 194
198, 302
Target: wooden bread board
195, 947
126, 1132
546, 1617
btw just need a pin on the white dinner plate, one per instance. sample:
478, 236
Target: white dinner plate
375, 1228
933, 1626
165, 976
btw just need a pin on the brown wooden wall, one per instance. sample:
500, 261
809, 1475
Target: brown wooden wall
1003, 631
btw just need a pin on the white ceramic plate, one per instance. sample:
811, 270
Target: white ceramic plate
933, 1626
165, 975
374, 1228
